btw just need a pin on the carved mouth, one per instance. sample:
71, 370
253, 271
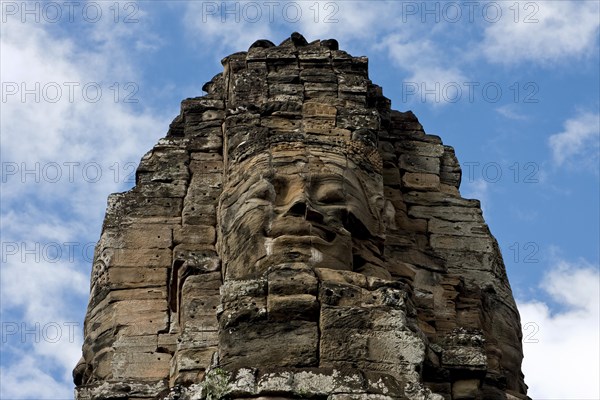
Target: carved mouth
301, 233
305, 239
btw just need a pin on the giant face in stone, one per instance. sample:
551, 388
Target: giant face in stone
301, 204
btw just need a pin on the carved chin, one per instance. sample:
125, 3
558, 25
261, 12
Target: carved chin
312, 250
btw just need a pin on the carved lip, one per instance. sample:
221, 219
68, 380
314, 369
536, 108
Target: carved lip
302, 233
304, 239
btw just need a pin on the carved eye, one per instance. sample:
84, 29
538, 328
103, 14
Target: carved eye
330, 195
263, 190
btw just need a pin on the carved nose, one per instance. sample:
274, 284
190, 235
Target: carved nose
300, 208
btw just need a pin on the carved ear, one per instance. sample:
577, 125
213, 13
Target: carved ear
378, 202
377, 206
388, 216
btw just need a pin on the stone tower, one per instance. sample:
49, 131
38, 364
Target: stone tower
294, 237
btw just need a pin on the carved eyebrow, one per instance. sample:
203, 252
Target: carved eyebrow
330, 194
320, 177
263, 189
317, 179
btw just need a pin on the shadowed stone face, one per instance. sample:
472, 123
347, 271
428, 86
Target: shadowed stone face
302, 205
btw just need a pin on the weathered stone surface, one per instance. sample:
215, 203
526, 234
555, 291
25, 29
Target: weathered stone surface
294, 237
420, 181
465, 389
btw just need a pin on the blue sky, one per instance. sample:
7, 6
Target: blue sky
89, 88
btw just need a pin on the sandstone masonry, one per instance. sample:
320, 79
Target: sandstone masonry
292, 236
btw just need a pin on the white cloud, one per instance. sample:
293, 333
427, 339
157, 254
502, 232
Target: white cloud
578, 142
358, 26
508, 111
545, 32
346, 21
561, 346
430, 80
209, 24
233, 26
29, 379
42, 211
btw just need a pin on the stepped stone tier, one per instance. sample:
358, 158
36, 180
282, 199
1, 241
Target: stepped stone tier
292, 236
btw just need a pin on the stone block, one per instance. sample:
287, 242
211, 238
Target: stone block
355, 119
144, 293
136, 277
194, 234
147, 236
419, 148
317, 75
465, 389
292, 307
160, 188
420, 181
199, 313
317, 109
140, 366
291, 279
285, 76
139, 344
140, 317
343, 344
467, 229
202, 284
341, 277
251, 344
167, 342
318, 125
202, 258
420, 164
345, 317
199, 214
391, 177
280, 123
127, 207
464, 357
198, 340
462, 243
146, 258
193, 359
454, 214
209, 165
205, 142
441, 200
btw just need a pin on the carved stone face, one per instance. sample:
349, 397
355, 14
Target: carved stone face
312, 207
